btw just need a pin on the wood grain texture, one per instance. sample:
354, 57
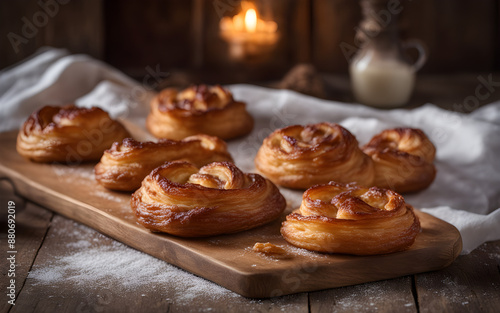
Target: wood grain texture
77, 26
62, 240
457, 36
113, 295
18, 41
392, 295
74, 25
32, 223
333, 25
226, 260
465, 286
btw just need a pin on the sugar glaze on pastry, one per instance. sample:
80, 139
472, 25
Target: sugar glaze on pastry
349, 219
68, 134
127, 163
198, 109
180, 199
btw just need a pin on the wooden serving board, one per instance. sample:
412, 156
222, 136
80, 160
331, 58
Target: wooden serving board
226, 260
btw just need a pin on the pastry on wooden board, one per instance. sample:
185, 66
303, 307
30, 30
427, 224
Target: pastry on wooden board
68, 134
302, 156
349, 219
199, 109
299, 157
127, 163
179, 199
403, 158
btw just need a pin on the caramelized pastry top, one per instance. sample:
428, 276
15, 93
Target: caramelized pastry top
199, 109
124, 166
339, 218
301, 156
402, 141
194, 100
180, 199
68, 134
404, 159
350, 202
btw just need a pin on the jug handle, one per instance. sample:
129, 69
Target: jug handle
422, 53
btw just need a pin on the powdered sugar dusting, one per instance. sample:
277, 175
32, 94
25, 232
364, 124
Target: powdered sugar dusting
369, 295
291, 251
456, 292
303, 252
108, 196
103, 266
371, 298
450, 289
67, 172
87, 263
90, 262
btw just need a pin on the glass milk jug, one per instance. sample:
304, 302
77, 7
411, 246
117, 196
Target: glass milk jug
381, 75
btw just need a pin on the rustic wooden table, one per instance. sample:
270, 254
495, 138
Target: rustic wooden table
62, 266
68, 275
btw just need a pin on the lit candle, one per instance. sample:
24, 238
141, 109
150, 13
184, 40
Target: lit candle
247, 34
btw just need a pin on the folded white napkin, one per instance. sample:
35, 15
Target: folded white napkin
466, 192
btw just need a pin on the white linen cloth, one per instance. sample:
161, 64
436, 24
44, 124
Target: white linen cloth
466, 192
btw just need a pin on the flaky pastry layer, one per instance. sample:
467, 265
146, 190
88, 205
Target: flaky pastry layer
404, 159
299, 157
348, 219
302, 156
180, 199
68, 134
124, 166
198, 109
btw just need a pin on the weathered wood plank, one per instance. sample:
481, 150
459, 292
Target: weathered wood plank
300, 45
393, 295
73, 192
68, 238
80, 270
457, 93
458, 36
77, 26
19, 37
333, 25
31, 223
56, 286
470, 284
74, 25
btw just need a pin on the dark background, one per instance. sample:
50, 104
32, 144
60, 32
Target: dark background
181, 36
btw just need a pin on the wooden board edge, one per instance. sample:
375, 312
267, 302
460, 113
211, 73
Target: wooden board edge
300, 280
253, 284
178, 254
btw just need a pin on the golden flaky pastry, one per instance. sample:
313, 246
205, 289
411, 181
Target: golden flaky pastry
299, 157
68, 134
180, 199
198, 109
302, 156
404, 159
124, 166
339, 218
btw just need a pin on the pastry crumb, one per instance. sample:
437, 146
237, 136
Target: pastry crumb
268, 248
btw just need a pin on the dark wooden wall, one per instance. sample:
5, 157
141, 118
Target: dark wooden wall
180, 35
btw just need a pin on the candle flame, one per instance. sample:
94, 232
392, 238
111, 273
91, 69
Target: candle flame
251, 20
247, 34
